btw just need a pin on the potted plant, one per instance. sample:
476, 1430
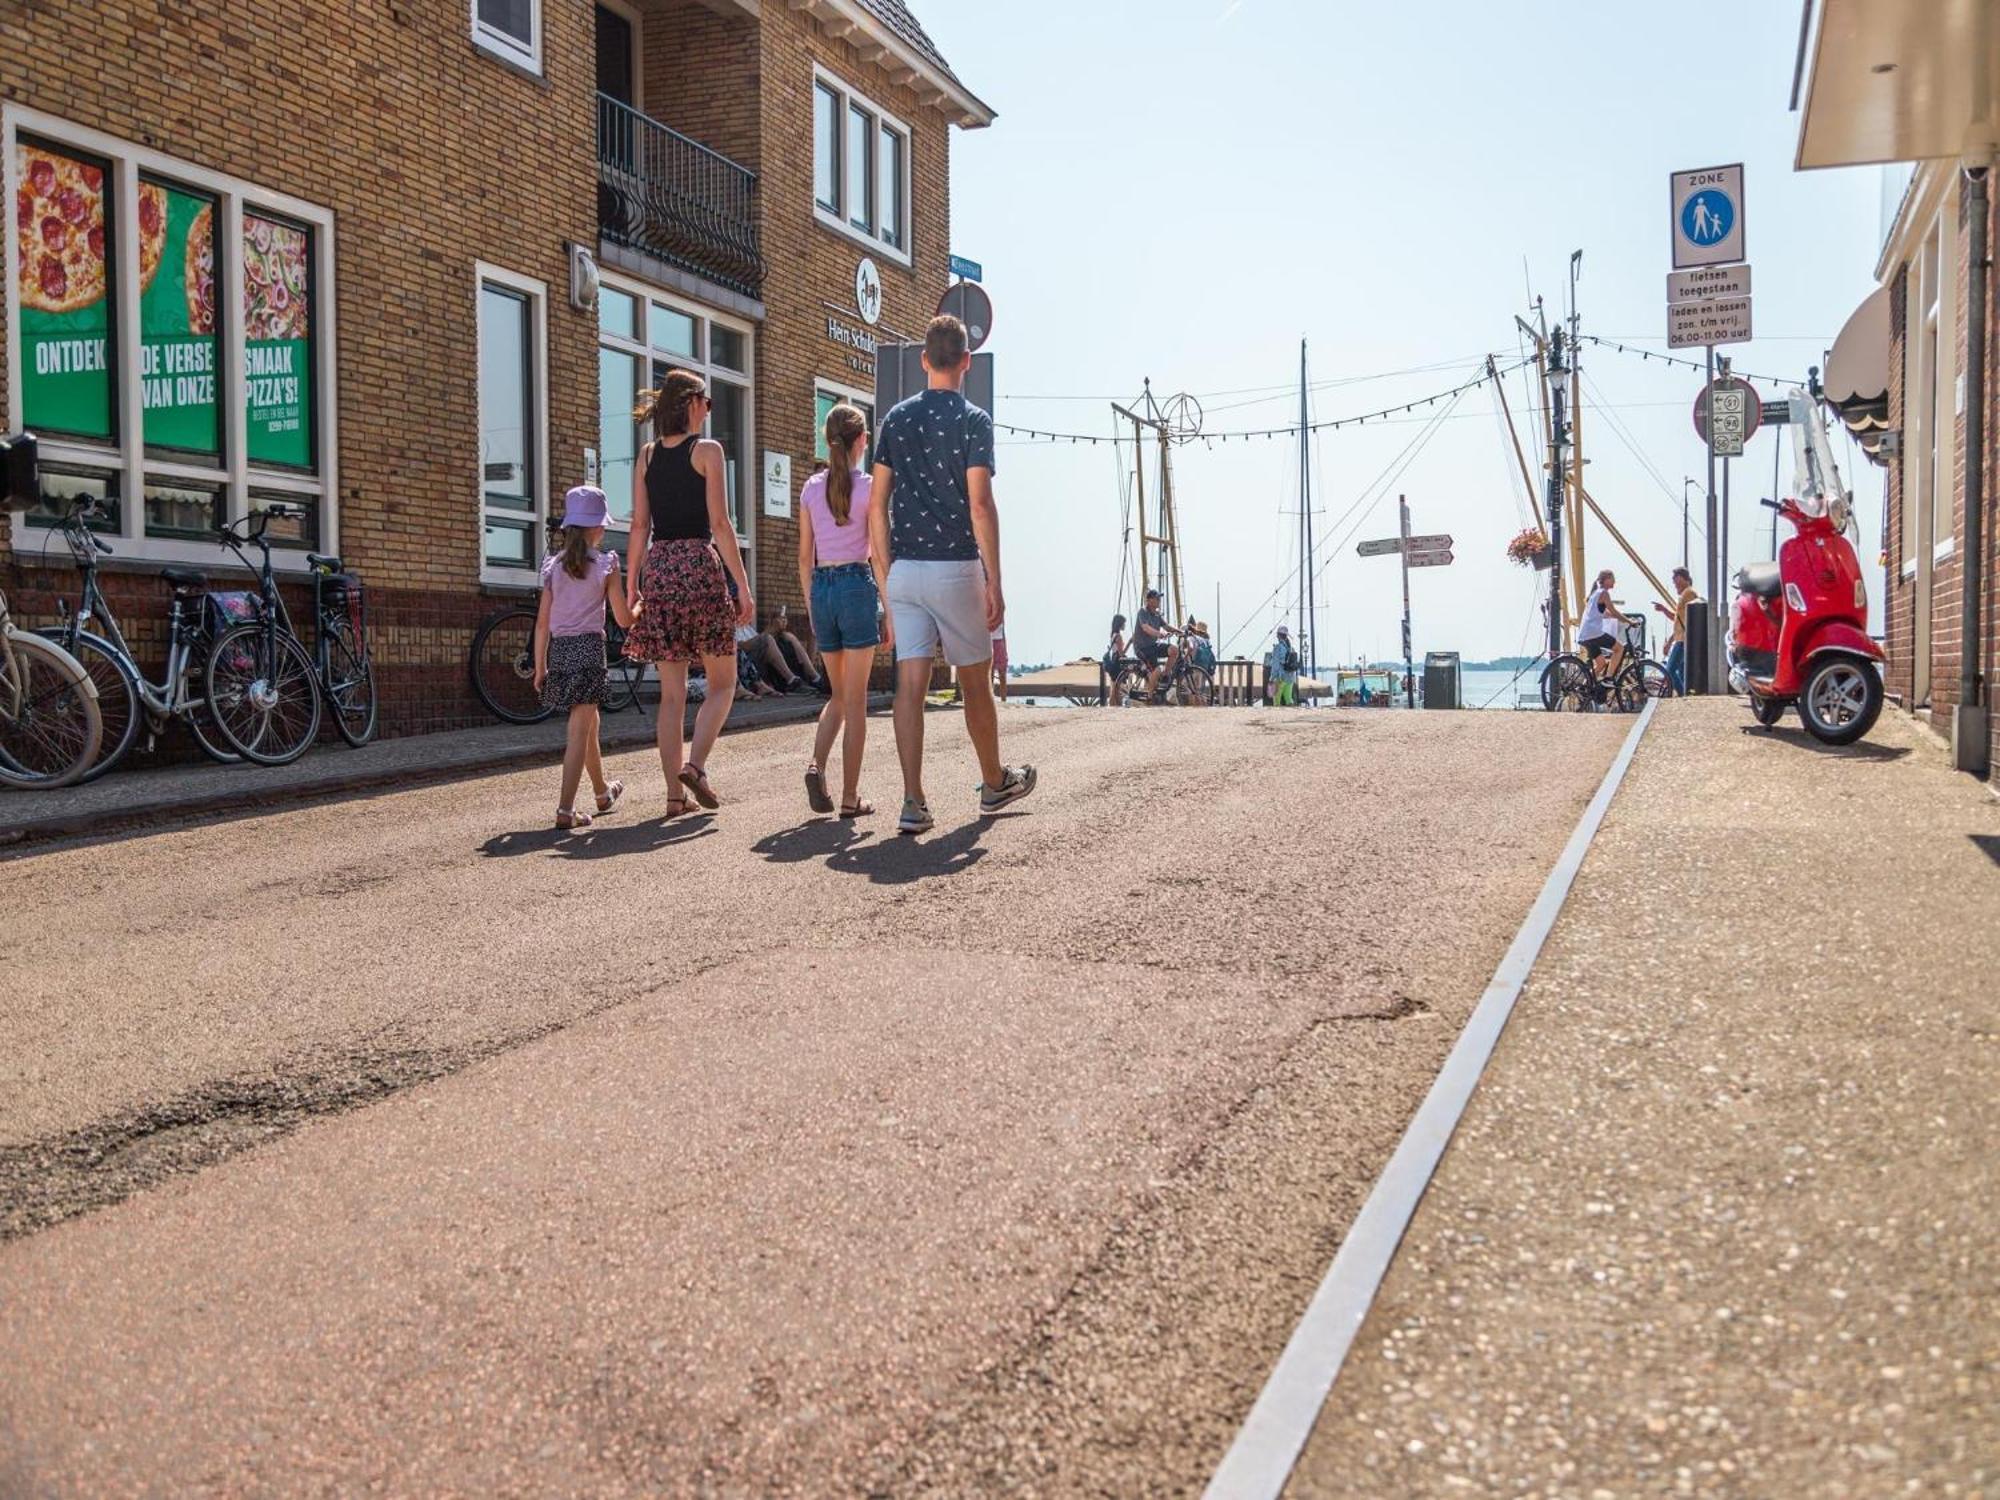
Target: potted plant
1531, 549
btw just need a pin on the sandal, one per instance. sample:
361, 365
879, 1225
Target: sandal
816, 793
696, 780
609, 801
858, 809
568, 819
679, 806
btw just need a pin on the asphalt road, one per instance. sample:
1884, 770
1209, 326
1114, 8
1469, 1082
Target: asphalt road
400, 1143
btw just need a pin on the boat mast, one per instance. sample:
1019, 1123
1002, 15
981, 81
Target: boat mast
1308, 593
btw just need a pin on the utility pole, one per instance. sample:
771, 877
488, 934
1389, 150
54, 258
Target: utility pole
1686, 539
1716, 667
1558, 377
1722, 372
1310, 642
1409, 661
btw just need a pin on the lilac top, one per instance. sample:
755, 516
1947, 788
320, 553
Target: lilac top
835, 543
576, 605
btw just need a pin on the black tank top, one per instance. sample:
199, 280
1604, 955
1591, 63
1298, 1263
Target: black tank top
677, 493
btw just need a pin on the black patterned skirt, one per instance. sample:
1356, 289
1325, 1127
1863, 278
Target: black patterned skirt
688, 614
576, 671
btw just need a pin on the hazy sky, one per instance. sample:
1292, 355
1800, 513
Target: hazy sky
1184, 189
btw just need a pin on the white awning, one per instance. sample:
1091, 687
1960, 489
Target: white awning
1892, 81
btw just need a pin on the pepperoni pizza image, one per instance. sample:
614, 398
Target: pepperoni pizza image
59, 227
152, 231
199, 272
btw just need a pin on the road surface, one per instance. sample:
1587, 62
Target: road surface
400, 1142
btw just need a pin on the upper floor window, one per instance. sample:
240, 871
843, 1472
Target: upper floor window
510, 29
861, 175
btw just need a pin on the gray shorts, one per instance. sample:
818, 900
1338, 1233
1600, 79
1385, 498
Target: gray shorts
933, 603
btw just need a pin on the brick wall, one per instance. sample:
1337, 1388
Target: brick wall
431, 155
1899, 592
699, 75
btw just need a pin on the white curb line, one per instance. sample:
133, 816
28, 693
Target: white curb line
1268, 1444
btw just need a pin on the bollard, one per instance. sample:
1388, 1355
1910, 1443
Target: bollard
1698, 678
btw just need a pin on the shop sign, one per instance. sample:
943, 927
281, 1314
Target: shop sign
277, 341
177, 347
62, 240
868, 292
778, 484
859, 342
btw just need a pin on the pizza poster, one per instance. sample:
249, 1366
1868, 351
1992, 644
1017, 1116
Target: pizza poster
177, 345
62, 231
277, 341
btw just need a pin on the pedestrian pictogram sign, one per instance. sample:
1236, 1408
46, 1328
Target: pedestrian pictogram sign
1708, 216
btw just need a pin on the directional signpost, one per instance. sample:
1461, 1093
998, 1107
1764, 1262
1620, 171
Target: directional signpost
1432, 551
1708, 303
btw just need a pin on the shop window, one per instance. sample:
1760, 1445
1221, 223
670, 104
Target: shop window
618, 435
148, 404
861, 176
63, 487
728, 348
511, 400
297, 524
671, 331
510, 30
617, 312
825, 399
729, 425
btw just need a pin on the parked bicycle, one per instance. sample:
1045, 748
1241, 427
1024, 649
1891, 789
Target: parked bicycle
50, 727
126, 698
266, 690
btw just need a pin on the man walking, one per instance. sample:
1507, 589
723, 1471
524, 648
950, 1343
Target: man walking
936, 544
1684, 595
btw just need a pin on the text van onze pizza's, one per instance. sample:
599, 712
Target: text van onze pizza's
178, 374
271, 380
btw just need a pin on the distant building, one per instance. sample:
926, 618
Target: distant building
326, 254
1915, 87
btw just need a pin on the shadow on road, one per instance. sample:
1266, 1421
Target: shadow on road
850, 849
601, 840
1987, 844
1861, 750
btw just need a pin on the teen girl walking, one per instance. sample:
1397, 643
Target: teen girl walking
682, 542
839, 577
577, 583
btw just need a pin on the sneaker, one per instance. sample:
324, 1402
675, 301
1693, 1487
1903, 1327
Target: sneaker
1015, 783
916, 817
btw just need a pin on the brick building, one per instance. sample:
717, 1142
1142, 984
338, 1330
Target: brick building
350, 271
1914, 89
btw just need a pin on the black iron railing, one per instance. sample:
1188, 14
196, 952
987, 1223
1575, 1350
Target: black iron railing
667, 195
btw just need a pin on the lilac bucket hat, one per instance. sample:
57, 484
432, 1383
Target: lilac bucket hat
584, 506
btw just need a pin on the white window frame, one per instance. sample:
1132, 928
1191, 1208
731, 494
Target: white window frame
235, 476
505, 46
837, 219
706, 367
537, 293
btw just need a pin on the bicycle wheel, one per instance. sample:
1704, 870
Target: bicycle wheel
263, 692
1628, 690
621, 684
117, 692
50, 728
1654, 677
349, 682
1128, 685
1566, 684
503, 667
1195, 689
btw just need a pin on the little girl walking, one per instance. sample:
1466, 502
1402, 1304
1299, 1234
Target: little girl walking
577, 583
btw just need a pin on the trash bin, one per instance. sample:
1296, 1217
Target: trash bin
1699, 622
1441, 680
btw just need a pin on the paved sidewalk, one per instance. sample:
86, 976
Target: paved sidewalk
135, 794
1720, 1219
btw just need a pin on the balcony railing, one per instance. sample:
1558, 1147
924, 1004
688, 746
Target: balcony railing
666, 195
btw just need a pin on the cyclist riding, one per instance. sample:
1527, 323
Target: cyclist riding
1150, 644
1597, 634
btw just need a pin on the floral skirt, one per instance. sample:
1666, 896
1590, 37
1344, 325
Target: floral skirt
576, 671
687, 614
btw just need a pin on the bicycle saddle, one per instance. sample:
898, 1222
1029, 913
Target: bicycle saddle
184, 578
315, 560
1762, 579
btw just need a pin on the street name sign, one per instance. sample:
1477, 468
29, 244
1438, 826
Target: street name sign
1776, 413
1386, 546
1721, 320
1707, 225
965, 270
1430, 559
1704, 282
1737, 413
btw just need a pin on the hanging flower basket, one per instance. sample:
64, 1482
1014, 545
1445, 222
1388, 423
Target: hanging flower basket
1531, 549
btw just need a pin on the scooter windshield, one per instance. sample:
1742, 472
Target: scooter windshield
1816, 478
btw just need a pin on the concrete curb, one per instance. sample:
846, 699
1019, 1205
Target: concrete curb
254, 792
1259, 1462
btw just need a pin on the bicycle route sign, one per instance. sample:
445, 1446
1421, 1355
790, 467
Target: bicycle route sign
1430, 559
1707, 216
1385, 546
1389, 546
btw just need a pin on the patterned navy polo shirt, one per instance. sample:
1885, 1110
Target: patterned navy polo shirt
928, 442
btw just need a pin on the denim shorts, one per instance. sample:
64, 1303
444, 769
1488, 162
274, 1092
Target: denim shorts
844, 607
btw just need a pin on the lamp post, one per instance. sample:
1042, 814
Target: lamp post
1686, 485
1559, 377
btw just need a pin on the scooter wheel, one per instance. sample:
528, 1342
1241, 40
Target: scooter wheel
1842, 699
1766, 711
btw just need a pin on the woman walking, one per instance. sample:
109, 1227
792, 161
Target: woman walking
679, 506
839, 578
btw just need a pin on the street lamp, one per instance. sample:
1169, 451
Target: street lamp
1559, 386
1684, 519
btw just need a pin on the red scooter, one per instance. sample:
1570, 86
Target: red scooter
1801, 629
